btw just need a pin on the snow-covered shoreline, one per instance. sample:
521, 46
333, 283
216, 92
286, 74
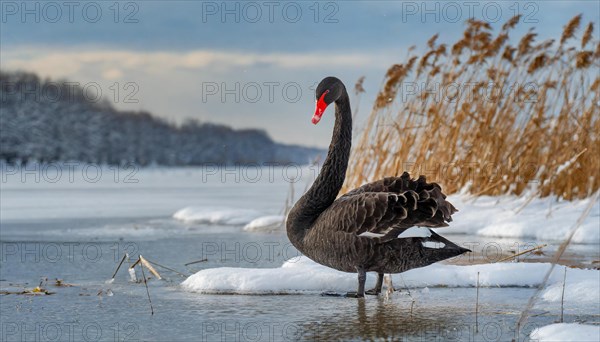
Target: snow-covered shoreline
512, 217
545, 219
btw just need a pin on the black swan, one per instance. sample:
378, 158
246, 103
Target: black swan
359, 232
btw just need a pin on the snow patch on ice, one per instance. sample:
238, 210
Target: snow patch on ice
566, 332
265, 223
225, 216
296, 275
580, 291
304, 275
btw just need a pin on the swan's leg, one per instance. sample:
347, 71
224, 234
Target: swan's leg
362, 277
377, 289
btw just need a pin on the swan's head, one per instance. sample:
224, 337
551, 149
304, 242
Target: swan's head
329, 90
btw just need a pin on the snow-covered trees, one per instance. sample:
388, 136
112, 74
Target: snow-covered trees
45, 121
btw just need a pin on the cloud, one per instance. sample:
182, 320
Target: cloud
170, 84
112, 74
114, 63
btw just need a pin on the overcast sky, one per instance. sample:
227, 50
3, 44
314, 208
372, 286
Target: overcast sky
245, 64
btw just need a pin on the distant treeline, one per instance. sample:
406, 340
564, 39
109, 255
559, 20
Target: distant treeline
46, 121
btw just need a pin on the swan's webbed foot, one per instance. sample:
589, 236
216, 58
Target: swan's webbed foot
377, 289
354, 295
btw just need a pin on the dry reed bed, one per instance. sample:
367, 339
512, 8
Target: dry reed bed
490, 117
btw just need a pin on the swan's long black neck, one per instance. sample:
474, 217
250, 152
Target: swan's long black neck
328, 183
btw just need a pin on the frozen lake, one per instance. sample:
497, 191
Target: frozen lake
75, 225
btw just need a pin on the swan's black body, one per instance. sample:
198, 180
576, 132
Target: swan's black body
328, 230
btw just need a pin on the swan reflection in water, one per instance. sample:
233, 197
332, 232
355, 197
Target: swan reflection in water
383, 319
410, 318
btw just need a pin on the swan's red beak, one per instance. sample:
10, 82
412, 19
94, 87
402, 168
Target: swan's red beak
321, 106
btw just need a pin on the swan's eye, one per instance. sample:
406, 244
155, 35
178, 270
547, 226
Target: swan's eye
323, 95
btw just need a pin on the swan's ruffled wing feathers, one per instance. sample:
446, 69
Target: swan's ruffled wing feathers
372, 212
389, 206
379, 214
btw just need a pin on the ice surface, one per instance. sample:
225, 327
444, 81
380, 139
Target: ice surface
567, 332
148, 192
197, 196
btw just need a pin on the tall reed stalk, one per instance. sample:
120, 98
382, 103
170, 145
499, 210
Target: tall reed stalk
490, 114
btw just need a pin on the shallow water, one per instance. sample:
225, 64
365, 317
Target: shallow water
79, 231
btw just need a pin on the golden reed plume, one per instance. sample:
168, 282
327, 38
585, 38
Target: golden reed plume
489, 117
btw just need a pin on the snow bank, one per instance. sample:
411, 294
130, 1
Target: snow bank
296, 275
543, 218
225, 216
265, 223
303, 275
566, 332
583, 290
